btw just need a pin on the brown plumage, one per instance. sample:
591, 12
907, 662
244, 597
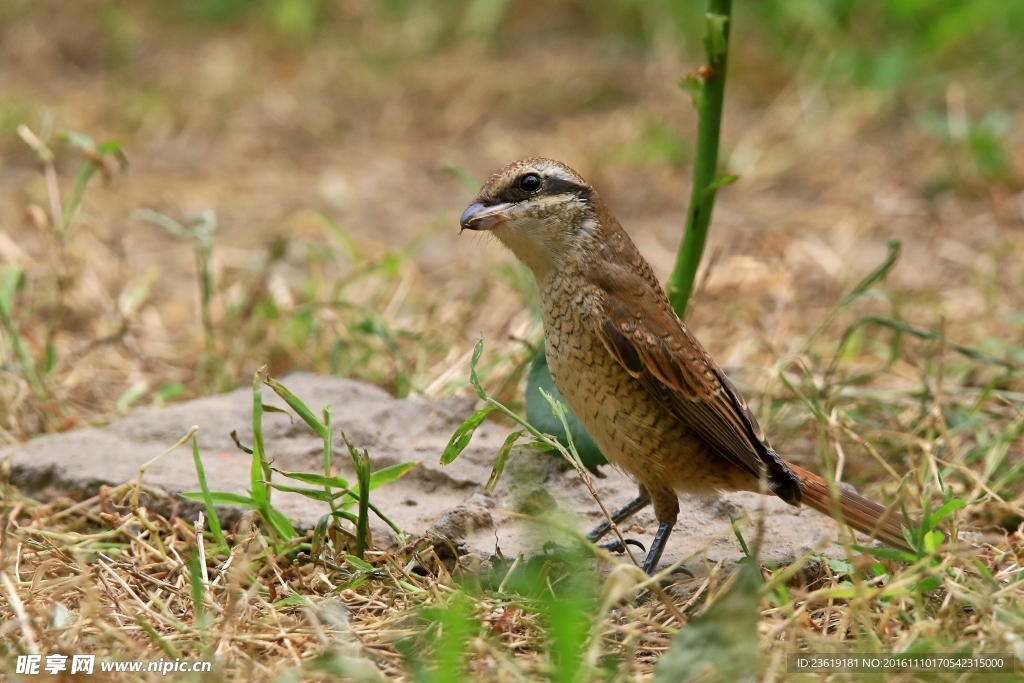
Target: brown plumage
631, 372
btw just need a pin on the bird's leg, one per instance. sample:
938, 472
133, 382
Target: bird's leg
666, 511
631, 508
657, 547
620, 516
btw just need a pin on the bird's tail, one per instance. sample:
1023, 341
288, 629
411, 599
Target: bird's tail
860, 513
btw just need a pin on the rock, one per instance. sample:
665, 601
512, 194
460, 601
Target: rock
441, 500
78, 463
460, 521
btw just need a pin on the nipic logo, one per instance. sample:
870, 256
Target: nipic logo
35, 665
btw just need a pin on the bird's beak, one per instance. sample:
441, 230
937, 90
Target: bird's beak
482, 217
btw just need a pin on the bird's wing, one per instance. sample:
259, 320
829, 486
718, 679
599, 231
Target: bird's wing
652, 344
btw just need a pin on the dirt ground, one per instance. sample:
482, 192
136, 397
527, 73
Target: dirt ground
267, 137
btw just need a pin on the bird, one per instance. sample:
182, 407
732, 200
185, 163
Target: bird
630, 370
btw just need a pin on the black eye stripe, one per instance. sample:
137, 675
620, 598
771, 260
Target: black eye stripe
551, 186
556, 186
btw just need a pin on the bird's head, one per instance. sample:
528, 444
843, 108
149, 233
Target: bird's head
543, 211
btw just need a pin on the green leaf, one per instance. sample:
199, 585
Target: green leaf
319, 536
257, 474
85, 174
383, 476
499, 462
984, 571
78, 140
539, 415
313, 494
267, 408
716, 41
169, 392
360, 565
722, 643
211, 513
875, 276
391, 473
457, 631
94, 155
945, 511
463, 435
221, 498
130, 396
299, 407
342, 514
886, 553
113, 147
932, 540
361, 464
473, 379
316, 479
839, 567
293, 601
281, 525
8, 287
567, 616
721, 180
694, 87
195, 579
901, 327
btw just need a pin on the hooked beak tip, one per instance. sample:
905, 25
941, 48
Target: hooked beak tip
482, 217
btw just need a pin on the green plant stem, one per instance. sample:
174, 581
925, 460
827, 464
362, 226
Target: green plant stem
328, 463
705, 165
28, 366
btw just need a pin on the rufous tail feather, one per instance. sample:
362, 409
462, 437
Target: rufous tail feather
858, 512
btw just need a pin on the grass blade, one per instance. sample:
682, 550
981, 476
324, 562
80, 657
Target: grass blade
299, 407
221, 498
257, 474
361, 463
8, 287
211, 511
315, 479
198, 589
391, 473
928, 335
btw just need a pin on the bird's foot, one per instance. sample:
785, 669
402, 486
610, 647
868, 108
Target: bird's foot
618, 546
554, 549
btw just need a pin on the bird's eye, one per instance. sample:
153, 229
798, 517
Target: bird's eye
529, 182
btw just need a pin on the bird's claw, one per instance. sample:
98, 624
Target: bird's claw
684, 570
620, 546
554, 549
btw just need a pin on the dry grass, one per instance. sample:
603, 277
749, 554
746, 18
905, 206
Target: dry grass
335, 250
95, 577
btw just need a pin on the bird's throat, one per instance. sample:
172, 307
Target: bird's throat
534, 253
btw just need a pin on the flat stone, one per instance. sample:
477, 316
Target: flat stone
430, 497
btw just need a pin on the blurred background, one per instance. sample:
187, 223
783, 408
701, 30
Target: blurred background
192, 188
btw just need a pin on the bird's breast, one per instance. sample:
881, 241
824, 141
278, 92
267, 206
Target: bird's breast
634, 430
623, 418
